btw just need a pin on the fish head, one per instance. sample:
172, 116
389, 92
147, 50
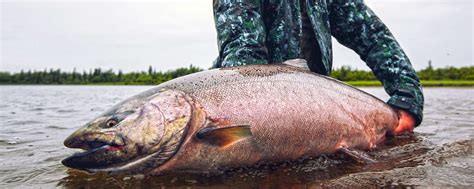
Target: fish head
135, 136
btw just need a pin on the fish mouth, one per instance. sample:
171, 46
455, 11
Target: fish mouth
98, 154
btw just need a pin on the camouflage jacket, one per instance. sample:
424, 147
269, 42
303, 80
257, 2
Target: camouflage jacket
268, 31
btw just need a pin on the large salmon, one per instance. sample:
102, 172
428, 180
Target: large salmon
231, 117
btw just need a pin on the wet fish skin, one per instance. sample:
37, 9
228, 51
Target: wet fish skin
290, 113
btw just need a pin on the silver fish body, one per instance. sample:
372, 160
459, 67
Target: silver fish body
241, 116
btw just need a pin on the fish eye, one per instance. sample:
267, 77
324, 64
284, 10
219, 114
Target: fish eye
111, 122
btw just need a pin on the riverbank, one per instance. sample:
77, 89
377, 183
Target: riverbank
425, 83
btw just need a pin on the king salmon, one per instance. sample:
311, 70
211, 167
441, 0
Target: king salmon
231, 117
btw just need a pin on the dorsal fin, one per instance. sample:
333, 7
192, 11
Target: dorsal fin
223, 136
298, 62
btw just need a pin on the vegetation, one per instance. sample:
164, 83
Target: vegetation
430, 77
96, 76
346, 73
449, 76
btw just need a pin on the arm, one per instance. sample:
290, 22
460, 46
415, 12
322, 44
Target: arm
354, 25
240, 32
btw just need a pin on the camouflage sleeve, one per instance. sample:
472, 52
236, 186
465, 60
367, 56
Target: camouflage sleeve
240, 32
354, 25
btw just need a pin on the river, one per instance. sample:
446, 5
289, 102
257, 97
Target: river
34, 121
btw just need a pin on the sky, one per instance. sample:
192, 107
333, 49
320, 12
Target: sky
167, 34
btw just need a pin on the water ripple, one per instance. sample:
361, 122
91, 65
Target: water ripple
35, 120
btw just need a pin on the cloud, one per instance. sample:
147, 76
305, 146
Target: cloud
170, 34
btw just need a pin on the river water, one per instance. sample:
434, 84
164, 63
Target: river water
34, 121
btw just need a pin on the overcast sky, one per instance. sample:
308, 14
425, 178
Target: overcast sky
168, 34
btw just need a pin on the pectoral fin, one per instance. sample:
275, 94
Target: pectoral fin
224, 136
358, 155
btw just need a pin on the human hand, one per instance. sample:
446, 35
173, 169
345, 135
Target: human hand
406, 122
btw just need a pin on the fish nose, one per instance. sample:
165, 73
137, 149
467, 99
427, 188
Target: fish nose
79, 142
87, 140
76, 141
80, 139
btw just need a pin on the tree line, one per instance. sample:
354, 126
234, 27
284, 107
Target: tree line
95, 76
152, 77
346, 73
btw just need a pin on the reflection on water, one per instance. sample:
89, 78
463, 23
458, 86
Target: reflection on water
34, 120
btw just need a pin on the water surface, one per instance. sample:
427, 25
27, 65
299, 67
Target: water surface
34, 121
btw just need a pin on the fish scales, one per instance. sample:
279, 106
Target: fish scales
290, 112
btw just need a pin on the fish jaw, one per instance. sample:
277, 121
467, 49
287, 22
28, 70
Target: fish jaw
101, 150
89, 160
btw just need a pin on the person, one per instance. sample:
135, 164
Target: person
272, 31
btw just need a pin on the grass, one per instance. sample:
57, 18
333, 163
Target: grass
425, 83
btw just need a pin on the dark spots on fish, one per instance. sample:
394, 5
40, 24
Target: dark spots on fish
261, 70
141, 149
142, 111
122, 137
